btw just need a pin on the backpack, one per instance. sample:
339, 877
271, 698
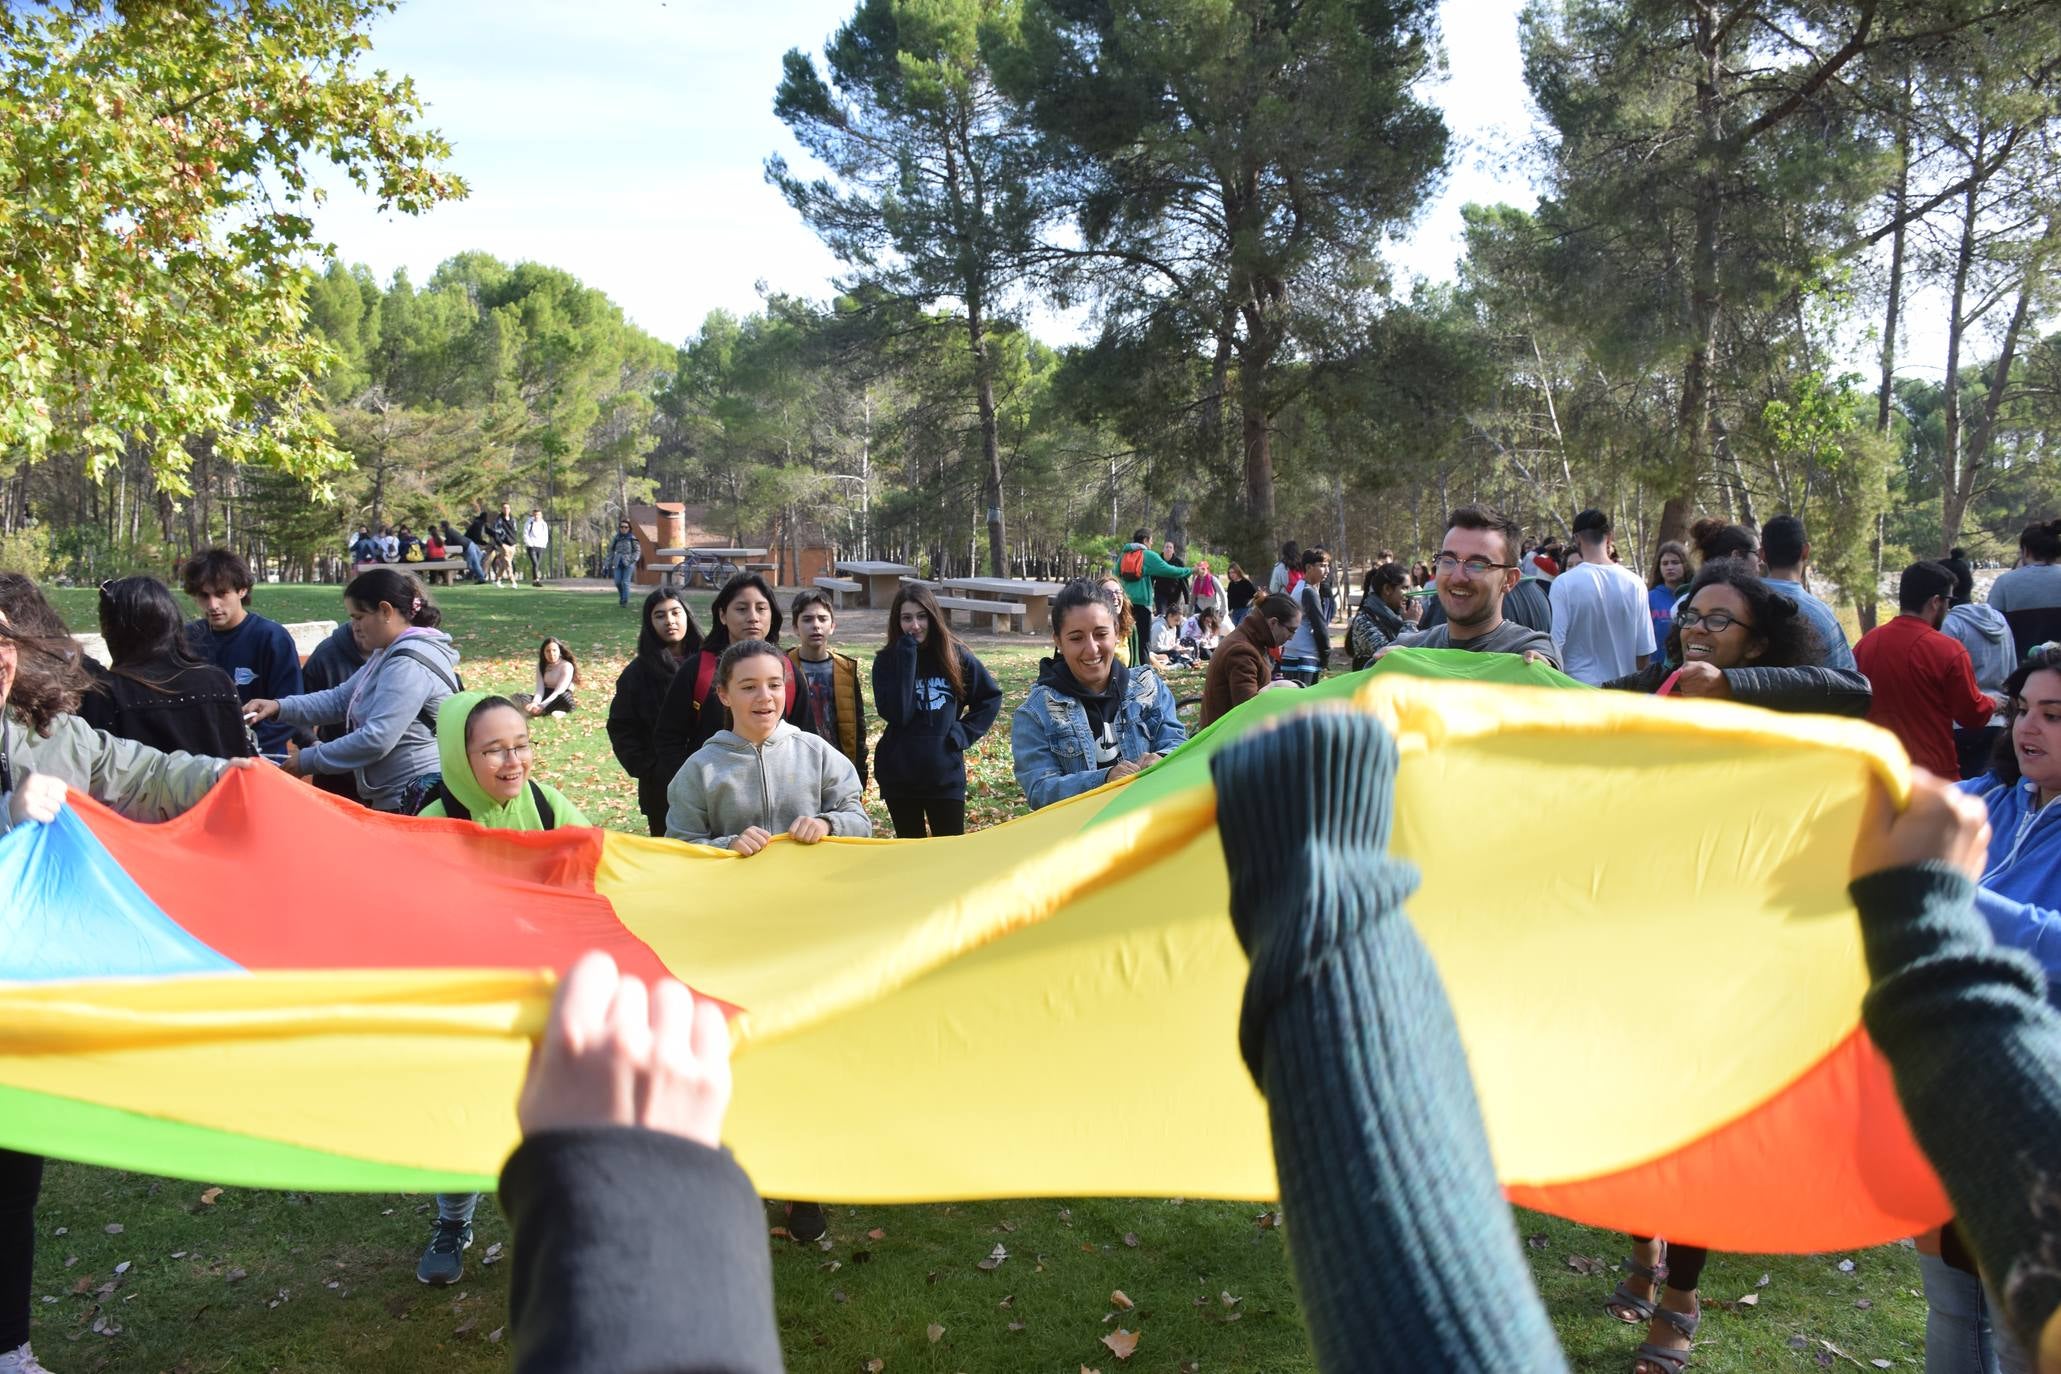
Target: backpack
1131, 567
457, 811
456, 682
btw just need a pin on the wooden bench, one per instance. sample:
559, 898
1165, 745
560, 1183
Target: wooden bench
437, 570
840, 588
1008, 615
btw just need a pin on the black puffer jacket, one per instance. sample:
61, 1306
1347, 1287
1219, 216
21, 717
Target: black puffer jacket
640, 693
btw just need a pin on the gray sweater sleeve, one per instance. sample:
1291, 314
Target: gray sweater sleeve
1403, 1247
844, 798
687, 816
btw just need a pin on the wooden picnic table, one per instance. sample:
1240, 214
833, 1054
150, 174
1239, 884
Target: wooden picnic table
882, 580
1035, 597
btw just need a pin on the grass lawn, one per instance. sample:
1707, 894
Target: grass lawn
137, 1273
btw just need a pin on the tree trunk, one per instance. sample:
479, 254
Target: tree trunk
1693, 420
1865, 608
990, 443
1954, 491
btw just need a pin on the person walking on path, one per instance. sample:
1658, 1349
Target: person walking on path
620, 562
536, 538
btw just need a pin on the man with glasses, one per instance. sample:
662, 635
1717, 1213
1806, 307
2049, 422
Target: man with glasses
1475, 569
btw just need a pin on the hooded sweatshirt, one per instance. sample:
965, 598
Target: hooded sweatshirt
929, 728
1986, 635
729, 785
485, 810
386, 708
2021, 880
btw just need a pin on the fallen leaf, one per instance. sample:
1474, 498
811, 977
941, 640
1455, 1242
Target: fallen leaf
994, 1259
1883, 1364
1016, 1326
1750, 1300
1131, 1239
465, 1326
876, 1234
1862, 1304
494, 1336
1536, 1242
1122, 1299
84, 1285
1227, 1300
235, 1276
493, 1255
1086, 1370
779, 1233
1846, 1267
1008, 1300
62, 1231
207, 1198
1761, 1282
1586, 1264
122, 1268
830, 1266
1191, 1367
1121, 1343
935, 1332
875, 1365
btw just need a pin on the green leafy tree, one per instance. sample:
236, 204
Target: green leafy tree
933, 197
157, 159
1237, 164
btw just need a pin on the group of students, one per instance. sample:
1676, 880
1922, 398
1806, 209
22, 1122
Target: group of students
734, 740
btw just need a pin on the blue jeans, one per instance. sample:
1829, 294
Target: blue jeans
472, 564
1959, 1337
622, 583
456, 1206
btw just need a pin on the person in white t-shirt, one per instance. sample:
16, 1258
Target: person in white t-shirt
1600, 620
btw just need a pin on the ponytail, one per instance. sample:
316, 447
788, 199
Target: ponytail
396, 589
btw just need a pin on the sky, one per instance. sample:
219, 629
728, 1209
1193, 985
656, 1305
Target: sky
625, 141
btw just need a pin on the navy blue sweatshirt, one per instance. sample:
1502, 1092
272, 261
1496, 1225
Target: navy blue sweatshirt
929, 729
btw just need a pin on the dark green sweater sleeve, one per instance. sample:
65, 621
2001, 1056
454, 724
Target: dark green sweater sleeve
1976, 1051
1403, 1248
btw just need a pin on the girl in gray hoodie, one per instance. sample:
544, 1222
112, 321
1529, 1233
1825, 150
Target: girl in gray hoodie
762, 776
389, 706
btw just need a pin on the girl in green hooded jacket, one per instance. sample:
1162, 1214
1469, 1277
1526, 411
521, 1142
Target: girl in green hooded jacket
483, 745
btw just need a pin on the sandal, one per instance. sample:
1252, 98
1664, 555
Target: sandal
1660, 1358
1624, 1301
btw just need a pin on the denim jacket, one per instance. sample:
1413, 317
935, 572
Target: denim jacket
1055, 753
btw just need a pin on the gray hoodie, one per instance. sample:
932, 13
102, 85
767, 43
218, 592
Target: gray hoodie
389, 707
728, 785
134, 779
1984, 632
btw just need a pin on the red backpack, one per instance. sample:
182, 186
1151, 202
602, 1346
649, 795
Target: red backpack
1131, 567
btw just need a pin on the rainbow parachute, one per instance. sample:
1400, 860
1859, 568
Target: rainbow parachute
280, 990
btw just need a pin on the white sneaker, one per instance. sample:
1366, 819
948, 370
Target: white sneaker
21, 1361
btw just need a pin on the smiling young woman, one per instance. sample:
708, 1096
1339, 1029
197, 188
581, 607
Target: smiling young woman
1089, 719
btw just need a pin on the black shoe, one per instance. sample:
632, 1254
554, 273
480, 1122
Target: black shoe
444, 1260
806, 1222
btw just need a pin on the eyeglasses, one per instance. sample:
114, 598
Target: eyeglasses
1476, 567
1717, 622
509, 754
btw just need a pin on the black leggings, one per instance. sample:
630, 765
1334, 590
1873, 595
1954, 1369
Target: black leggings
21, 1179
947, 816
1684, 1264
